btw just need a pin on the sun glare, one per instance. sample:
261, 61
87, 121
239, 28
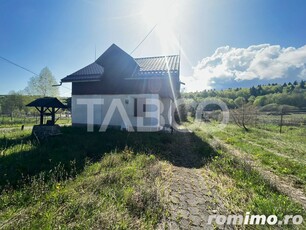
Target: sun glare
164, 14
160, 11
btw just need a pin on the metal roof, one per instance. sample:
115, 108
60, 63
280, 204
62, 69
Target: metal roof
114, 61
92, 72
158, 66
160, 63
47, 102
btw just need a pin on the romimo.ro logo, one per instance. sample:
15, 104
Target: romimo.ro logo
248, 219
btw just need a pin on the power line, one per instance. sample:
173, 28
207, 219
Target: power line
15, 64
24, 68
144, 38
169, 6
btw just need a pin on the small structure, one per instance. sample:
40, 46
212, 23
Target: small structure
47, 106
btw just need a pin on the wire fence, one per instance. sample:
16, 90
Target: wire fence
8, 120
261, 119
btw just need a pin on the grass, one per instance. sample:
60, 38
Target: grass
284, 154
80, 180
118, 192
88, 180
242, 189
113, 180
8, 122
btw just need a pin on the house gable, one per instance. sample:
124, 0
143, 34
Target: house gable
117, 63
122, 74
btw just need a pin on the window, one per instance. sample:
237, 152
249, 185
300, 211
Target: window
139, 107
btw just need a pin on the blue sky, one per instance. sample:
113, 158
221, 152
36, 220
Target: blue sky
63, 35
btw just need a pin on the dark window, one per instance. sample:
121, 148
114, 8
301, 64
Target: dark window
140, 102
144, 108
135, 107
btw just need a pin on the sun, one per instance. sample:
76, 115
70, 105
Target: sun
162, 12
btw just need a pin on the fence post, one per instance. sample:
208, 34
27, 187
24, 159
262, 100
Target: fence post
281, 121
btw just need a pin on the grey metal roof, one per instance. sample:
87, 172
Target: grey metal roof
92, 72
116, 62
158, 66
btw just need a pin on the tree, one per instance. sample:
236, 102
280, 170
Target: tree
12, 103
253, 91
245, 114
302, 84
251, 99
41, 85
239, 101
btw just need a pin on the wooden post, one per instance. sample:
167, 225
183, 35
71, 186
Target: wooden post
53, 116
41, 115
281, 121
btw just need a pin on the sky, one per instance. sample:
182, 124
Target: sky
222, 43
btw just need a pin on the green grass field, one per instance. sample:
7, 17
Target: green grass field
283, 154
113, 180
78, 180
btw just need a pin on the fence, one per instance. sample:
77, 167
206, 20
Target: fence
263, 119
7, 120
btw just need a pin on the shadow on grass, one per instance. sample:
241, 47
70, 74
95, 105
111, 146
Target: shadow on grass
180, 149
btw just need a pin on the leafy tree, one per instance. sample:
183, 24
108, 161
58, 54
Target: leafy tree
239, 101
302, 84
253, 91
260, 95
251, 99
41, 85
12, 103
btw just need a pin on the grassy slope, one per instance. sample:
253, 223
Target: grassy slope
107, 180
242, 188
118, 191
91, 179
284, 154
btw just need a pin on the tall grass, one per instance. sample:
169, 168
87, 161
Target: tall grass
118, 192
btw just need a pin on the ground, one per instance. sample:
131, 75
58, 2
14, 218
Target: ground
119, 180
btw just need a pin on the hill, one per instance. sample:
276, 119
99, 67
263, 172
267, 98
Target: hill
293, 94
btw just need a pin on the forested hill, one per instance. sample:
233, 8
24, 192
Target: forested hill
293, 94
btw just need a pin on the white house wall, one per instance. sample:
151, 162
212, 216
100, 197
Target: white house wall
79, 111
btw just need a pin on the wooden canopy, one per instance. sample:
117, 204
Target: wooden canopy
47, 106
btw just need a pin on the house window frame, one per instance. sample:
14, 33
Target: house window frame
144, 108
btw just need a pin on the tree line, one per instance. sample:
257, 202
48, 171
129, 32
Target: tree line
292, 94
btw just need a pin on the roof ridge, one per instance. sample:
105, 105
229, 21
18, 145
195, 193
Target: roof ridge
172, 55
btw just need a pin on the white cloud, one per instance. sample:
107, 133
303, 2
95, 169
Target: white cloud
262, 62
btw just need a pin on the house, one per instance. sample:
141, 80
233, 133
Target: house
118, 90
